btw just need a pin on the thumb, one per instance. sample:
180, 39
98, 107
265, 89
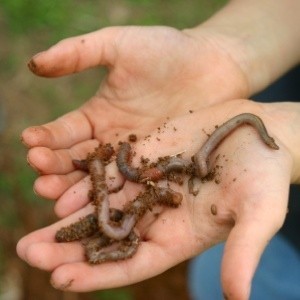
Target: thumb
76, 54
244, 247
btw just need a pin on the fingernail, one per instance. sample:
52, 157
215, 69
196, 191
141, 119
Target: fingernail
23, 142
34, 168
32, 63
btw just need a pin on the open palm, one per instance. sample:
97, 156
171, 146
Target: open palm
154, 73
243, 205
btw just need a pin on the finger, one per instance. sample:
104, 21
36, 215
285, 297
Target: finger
76, 54
64, 132
48, 161
149, 261
47, 234
53, 186
76, 196
40, 255
40, 250
244, 247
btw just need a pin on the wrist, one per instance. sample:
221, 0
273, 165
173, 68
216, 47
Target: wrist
285, 123
259, 36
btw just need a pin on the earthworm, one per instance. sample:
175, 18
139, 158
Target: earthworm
151, 197
134, 210
170, 164
101, 201
84, 227
103, 151
81, 164
98, 252
164, 167
101, 250
201, 157
123, 163
99, 247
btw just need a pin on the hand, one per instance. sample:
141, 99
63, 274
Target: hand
250, 201
153, 73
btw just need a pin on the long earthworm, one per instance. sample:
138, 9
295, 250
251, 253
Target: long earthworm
98, 246
85, 227
201, 157
101, 248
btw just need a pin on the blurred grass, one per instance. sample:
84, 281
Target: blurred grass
27, 27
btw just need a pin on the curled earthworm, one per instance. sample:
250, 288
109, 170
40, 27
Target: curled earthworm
98, 250
162, 168
101, 202
98, 247
101, 248
201, 157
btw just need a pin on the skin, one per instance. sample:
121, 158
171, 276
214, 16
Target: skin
227, 52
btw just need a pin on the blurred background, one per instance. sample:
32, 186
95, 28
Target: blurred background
30, 26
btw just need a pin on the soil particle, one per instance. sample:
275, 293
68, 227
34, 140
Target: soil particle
213, 209
132, 138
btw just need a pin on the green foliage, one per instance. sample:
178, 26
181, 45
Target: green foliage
74, 17
24, 15
114, 294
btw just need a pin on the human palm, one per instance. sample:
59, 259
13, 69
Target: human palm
157, 77
252, 179
154, 73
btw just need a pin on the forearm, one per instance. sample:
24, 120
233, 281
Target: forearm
261, 36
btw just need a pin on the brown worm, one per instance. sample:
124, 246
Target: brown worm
85, 227
101, 201
123, 162
81, 164
99, 250
170, 164
201, 157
